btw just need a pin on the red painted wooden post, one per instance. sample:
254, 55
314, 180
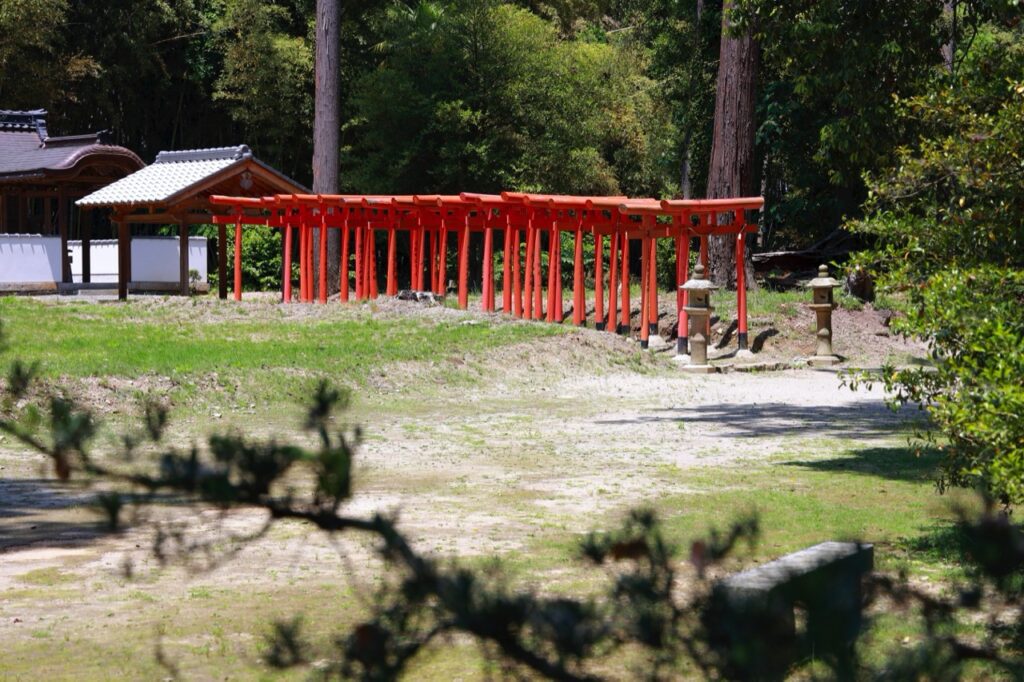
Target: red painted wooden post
506, 268
302, 259
345, 237
627, 313
538, 282
433, 262
683, 341
517, 275
613, 284
579, 312
286, 274
464, 263
652, 277
371, 268
360, 264
531, 235
309, 257
323, 254
704, 262
645, 292
442, 248
741, 286
677, 223
554, 257
599, 281
488, 269
392, 285
414, 241
559, 298
238, 253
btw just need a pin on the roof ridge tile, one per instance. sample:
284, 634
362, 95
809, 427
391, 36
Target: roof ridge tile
211, 154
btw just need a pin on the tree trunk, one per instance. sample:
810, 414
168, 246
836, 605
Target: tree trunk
733, 171
327, 127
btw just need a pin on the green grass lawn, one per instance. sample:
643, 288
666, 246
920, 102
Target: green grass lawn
90, 339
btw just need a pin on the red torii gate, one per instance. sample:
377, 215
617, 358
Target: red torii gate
522, 217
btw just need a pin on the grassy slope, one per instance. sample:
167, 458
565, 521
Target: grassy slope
812, 494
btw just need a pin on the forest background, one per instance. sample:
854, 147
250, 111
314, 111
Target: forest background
569, 96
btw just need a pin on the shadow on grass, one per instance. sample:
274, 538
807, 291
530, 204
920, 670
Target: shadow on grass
754, 420
894, 463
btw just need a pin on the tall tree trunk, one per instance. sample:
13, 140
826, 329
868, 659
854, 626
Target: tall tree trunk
327, 127
733, 170
685, 181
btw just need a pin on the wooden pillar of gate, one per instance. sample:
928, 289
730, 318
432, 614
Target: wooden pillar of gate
123, 247
87, 219
652, 293
613, 284
741, 284
488, 274
360, 262
286, 267
554, 258
531, 235
392, 284
645, 297
346, 237
238, 253
222, 261
517, 275
322, 243
579, 295
538, 284
506, 268
183, 272
626, 313
682, 297
598, 281
464, 263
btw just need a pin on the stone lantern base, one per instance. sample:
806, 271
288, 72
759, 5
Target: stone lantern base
823, 360
699, 369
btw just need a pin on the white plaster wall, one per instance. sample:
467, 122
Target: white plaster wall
29, 259
154, 259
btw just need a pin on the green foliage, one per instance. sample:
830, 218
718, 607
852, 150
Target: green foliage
954, 199
831, 71
948, 223
267, 80
973, 322
486, 96
261, 257
28, 29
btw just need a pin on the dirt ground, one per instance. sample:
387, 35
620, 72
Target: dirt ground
534, 443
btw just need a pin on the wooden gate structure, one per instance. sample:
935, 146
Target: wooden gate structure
525, 227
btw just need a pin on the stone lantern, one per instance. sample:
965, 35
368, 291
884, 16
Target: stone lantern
699, 310
822, 305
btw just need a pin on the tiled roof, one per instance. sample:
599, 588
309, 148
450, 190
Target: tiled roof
173, 173
27, 150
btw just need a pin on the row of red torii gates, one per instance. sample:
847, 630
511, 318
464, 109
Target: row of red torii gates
519, 218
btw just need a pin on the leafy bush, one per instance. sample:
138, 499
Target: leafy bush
973, 322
